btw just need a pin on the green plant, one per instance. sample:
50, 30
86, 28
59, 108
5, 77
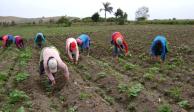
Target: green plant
175, 92
135, 90
122, 88
72, 109
3, 76
164, 108
149, 76
101, 75
17, 96
109, 99
154, 70
184, 104
21, 109
21, 77
83, 96
87, 76
129, 66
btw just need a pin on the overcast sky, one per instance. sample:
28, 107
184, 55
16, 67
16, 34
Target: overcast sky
158, 9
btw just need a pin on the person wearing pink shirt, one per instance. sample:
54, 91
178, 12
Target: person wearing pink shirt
50, 61
72, 50
19, 42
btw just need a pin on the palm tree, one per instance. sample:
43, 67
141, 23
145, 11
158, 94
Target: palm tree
107, 8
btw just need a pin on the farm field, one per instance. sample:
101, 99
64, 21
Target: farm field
135, 84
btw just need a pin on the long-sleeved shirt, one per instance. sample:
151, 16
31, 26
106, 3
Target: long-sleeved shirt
38, 35
48, 52
163, 41
117, 35
6, 38
69, 52
85, 41
18, 40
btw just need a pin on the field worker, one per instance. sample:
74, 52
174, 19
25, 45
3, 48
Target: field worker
39, 39
19, 42
72, 50
83, 42
120, 45
50, 61
159, 48
7, 40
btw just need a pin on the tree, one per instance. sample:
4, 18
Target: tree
107, 8
142, 13
13, 23
121, 16
95, 17
118, 13
64, 21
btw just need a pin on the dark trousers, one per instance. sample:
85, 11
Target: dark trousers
41, 68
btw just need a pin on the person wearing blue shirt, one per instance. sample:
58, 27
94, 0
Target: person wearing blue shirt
159, 48
39, 39
84, 42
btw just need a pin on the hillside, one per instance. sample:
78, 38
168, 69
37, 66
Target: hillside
30, 20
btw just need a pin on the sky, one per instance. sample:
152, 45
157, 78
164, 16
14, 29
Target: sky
158, 9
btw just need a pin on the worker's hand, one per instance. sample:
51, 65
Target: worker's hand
66, 78
126, 54
71, 60
53, 82
76, 62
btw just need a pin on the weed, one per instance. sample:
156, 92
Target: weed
3, 76
17, 96
21, 77
135, 90
101, 75
149, 76
154, 70
83, 96
109, 99
72, 109
62, 98
21, 109
87, 76
184, 104
122, 88
164, 108
175, 93
129, 66
143, 57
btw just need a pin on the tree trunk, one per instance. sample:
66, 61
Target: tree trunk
105, 15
